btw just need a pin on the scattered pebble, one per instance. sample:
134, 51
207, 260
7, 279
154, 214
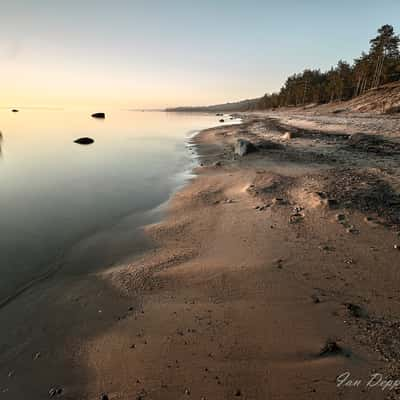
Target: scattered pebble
355, 310
297, 209
330, 347
340, 217
141, 395
315, 299
278, 201
287, 136
295, 218
58, 392
326, 248
332, 203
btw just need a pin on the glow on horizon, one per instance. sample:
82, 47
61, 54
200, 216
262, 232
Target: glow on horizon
154, 54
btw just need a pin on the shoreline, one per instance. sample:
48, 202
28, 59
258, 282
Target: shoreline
252, 286
147, 216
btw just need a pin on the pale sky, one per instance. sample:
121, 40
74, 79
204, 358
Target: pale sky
150, 53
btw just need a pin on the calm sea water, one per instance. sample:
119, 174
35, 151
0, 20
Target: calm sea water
57, 195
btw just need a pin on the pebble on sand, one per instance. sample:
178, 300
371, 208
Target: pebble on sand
315, 299
243, 147
330, 348
340, 217
55, 391
287, 136
356, 310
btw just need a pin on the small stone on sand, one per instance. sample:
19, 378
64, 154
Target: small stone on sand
330, 347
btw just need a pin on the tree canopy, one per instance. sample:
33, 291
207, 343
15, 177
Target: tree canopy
344, 81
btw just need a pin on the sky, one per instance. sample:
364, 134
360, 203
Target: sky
159, 53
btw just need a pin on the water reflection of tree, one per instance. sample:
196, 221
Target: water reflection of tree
1, 142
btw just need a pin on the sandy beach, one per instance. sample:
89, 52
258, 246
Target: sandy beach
272, 275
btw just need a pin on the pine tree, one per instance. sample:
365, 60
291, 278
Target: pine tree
384, 52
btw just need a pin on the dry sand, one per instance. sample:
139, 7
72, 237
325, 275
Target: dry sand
272, 274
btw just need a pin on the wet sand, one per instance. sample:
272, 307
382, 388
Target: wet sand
272, 274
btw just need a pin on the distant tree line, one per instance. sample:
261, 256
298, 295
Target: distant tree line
379, 66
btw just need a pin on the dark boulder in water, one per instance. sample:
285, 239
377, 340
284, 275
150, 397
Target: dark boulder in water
99, 115
221, 120
84, 140
14, 110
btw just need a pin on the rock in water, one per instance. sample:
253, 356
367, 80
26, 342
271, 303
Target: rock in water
14, 110
221, 120
243, 147
99, 115
84, 140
